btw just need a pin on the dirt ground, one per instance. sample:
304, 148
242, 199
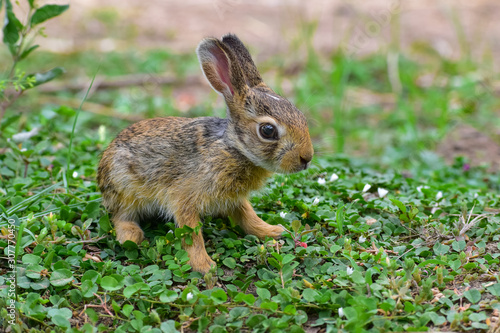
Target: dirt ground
272, 25
454, 28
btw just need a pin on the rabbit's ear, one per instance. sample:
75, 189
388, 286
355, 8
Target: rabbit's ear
250, 71
221, 68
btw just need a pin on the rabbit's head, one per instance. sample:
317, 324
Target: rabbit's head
265, 127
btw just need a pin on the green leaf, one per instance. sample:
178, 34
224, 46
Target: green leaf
287, 258
263, 293
409, 307
89, 288
168, 326
249, 299
12, 26
63, 312
309, 295
127, 309
455, 264
93, 208
31, 259
494, 289
61, 277
368, 276
399, 204
41, 78
290, 309
478, 316
358, 278
433, 261
104, 223
28, 51
47, 12
110, 283
61, 321
33, 271
93, 316
473, 295
269, 306
31, 2
255, 320
91, 275
40, 284
130, 290
168, 296
296, 225
339, 216
229, 262
459, 245
219, 296
436, 319
274, 262
441, 249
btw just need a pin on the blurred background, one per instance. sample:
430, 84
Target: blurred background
401, 83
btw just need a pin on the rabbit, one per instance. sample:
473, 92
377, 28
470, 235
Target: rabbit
188, 168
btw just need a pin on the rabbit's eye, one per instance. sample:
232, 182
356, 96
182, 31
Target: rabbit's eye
268, 131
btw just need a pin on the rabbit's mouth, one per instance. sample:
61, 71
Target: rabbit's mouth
295, 159
302, 165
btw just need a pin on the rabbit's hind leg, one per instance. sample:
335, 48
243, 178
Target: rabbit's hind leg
127, 229
199, 259
245, 216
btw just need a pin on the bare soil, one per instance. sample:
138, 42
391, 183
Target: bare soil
272, 25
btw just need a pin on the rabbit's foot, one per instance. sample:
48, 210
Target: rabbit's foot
199, 259
262, 229
128, 230
273, 231
245, 216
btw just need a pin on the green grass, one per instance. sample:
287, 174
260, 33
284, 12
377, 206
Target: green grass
414, 259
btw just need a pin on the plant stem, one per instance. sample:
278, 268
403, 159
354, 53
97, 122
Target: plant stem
15, 60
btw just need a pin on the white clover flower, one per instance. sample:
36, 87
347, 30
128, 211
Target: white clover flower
382, 192
189, 296
439, 195
321, 181
24, 136
419, 188
24, 149
102, 133
362, 239
75, 174
334, 177
283, 214
349, 270
316, 201
366, 188
476, 195
341, 312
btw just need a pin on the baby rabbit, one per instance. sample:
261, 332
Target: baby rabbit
186, 168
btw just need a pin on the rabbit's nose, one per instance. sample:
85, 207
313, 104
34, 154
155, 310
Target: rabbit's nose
305, 161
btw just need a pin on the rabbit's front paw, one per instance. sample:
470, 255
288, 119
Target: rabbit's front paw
200, 261
128, 230
275, 231
263, 230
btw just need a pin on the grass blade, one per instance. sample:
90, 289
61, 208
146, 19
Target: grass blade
74, 124
23, 204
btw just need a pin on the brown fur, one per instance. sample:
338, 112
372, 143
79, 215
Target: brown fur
187, 168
